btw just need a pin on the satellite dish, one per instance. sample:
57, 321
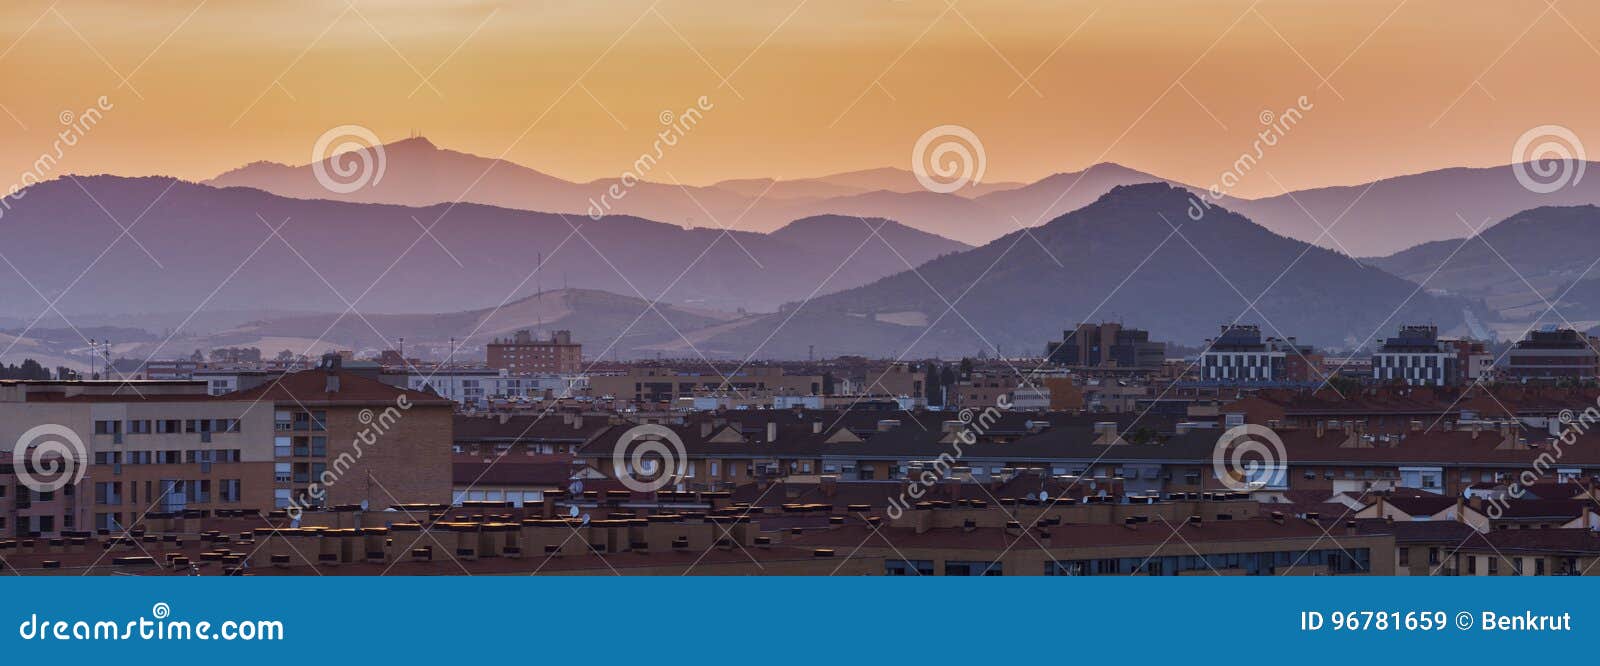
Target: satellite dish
364, 505
576, 487
586, 519
294, 523
1044, 496
572, 511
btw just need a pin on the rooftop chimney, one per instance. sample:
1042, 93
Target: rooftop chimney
772, 431
1106, 433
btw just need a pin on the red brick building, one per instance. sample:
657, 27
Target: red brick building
523, 354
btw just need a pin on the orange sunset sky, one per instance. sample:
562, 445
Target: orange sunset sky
803, 88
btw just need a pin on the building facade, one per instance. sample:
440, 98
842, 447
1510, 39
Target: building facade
1106, 345
1554, 354
523, 354
1240, 355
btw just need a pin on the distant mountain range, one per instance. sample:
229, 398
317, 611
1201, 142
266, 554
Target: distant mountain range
418, 173
1517, 264
201, 238
1118, 258
1363, 220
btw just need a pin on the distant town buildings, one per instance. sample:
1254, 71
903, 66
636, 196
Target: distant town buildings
523, 354
1554, 353
668, 385
1240, 355
480, 388
1419, 357
1106, 345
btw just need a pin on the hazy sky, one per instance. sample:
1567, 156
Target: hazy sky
803, 88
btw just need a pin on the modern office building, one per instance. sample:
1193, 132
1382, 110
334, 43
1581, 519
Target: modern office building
1106, 345
1554, 354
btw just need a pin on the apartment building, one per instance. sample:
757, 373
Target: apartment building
664, 384
147, 447
342, 438
1240, 355
480, 388
1106, 345
523, 354
1419, 357
1554, 354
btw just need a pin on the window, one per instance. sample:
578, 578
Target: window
229, 492
956, 568
1405, 557
107, 427
139, 427
1433, 556
281, 472
281, 446
892, 567
108, 492
1494, 566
